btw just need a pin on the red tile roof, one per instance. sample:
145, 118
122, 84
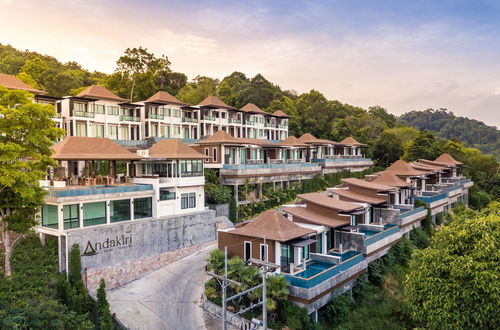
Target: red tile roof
329, 202
173, 149
319, 218
360, 197
215, 102
367, 184
12, 82
292, 141
351, 141
273, 226
447, 159
402, 168
252, 108
164, 98
87, 148
279, 113
390, 179
100, 92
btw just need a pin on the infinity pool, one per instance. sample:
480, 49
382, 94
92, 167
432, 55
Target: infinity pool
345, 255
313, 268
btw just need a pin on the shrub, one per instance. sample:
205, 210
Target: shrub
420, 238
217, 193
233, 210
104, 315
292, 316
338, 309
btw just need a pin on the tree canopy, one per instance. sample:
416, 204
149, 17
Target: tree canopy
454, 283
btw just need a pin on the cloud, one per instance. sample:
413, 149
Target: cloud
364, 58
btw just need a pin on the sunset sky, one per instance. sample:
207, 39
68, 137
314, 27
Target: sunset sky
402, 55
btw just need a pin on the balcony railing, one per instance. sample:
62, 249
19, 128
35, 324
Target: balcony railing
392, 229
251, 123
341, 159
98, 190
411, 212
211, 118
83, 114
156, 116
328, 273
234, 121
432, 199
269, 166
129, 118
189, 120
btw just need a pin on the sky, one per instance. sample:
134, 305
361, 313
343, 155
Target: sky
402, 55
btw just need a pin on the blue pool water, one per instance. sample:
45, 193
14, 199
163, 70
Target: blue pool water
346, 255
314, 268
369, 233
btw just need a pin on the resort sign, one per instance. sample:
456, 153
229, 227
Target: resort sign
108, 245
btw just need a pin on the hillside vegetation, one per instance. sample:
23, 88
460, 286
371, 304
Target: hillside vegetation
448, 126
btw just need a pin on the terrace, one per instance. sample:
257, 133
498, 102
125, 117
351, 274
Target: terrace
73, 191
368, 238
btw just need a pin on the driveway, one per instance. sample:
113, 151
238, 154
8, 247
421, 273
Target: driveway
169, 298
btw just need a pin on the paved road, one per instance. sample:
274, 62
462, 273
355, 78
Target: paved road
168, 298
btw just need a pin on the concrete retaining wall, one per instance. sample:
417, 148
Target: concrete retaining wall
103, 246
221, 210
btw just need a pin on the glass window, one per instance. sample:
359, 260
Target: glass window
119, 210
192, 200
214, 154
49, 216
167, 132
81, 129
143, 208
191, 167
94, 214
305, 252
166, 195
319, 243
97, 130
80, 106
263, 252
285, 255
99, 108
71, 216
184, 201
113, 132
112, 110
124, 133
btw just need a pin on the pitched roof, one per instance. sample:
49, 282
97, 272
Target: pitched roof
292, 141
390, 179
367, 184
250, 107
173, 149
12, 82
329, 202
402, 168
279, 113
164, 98
272, 225
215, 102
427, 167
100, 92
351, 141
87, 148
360, 197
221, 137
308, 138
316, 217
447, 159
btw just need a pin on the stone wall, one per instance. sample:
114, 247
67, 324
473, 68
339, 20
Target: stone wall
123, 243
221, 210
127, 271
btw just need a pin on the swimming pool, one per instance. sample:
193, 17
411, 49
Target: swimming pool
313, 268
345, 255
369, 233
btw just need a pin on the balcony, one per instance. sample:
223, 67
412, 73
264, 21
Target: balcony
189, 120
234, 121
369, 238
251, 123
433, 200
156, 116
210, 118
83, 114
130, 118
238, 173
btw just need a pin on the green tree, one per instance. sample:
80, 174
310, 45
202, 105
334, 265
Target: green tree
215, 261
386, 149
233, 210
103, 312
454, 284
424, 145
26, 134
277, 290
194, 92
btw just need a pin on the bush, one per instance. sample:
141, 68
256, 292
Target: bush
217, 193
402, 251
338, 309
292, 316
419, 238
376, 272
362, 287
104, 315
233, 210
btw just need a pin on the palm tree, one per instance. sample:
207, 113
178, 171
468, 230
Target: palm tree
277, 289
215, 262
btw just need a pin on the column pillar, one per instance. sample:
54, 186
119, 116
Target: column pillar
259, 187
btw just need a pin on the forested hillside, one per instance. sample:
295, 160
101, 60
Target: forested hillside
139, 74
448, 126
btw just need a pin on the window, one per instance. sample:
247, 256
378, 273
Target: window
113, 132
214, 154
49, 216
166, 195
191, 167
319, 243
82, 107
71, 216
192, 200
286, 256
166, 131
94, 214
305, 252
124, 133
247, 253
154, 130
97, 130
143, 208
177, 130
112, 110
223, 114
99, 108
176, 113
188, 201
184, 201
166, 111
206, 154
119, 210
81, 129
263, 252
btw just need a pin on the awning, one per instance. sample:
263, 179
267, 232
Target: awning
301, 242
